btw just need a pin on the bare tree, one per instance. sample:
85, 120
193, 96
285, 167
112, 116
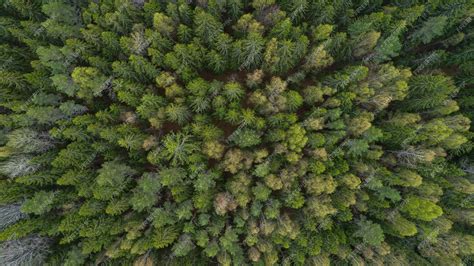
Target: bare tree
28, 251
412, 156
467, 167
10, 214
18, 166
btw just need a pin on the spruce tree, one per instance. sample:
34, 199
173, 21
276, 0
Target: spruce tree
235, 132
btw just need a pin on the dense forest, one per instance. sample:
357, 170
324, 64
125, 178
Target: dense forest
236, 132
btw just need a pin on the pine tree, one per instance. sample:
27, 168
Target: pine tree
113, 178
431, 28
177, 148
235, 132
92, 83
249, 51
371, 233
145, 195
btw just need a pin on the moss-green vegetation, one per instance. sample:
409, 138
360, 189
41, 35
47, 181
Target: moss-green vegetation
236, 132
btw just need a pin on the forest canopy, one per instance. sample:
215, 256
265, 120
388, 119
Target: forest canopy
236, 132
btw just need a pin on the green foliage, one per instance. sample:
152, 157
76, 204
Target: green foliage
264, 132
92, 83
246, 138
177, 148
145, 195
183, 246
370, 233
430, 29
163, 237
40, 203
422, 209
112, 180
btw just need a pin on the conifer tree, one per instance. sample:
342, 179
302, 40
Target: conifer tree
235, 132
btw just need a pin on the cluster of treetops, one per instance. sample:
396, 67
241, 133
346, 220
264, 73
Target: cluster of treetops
236, 132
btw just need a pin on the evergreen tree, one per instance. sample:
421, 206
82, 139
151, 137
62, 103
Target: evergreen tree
235, 132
